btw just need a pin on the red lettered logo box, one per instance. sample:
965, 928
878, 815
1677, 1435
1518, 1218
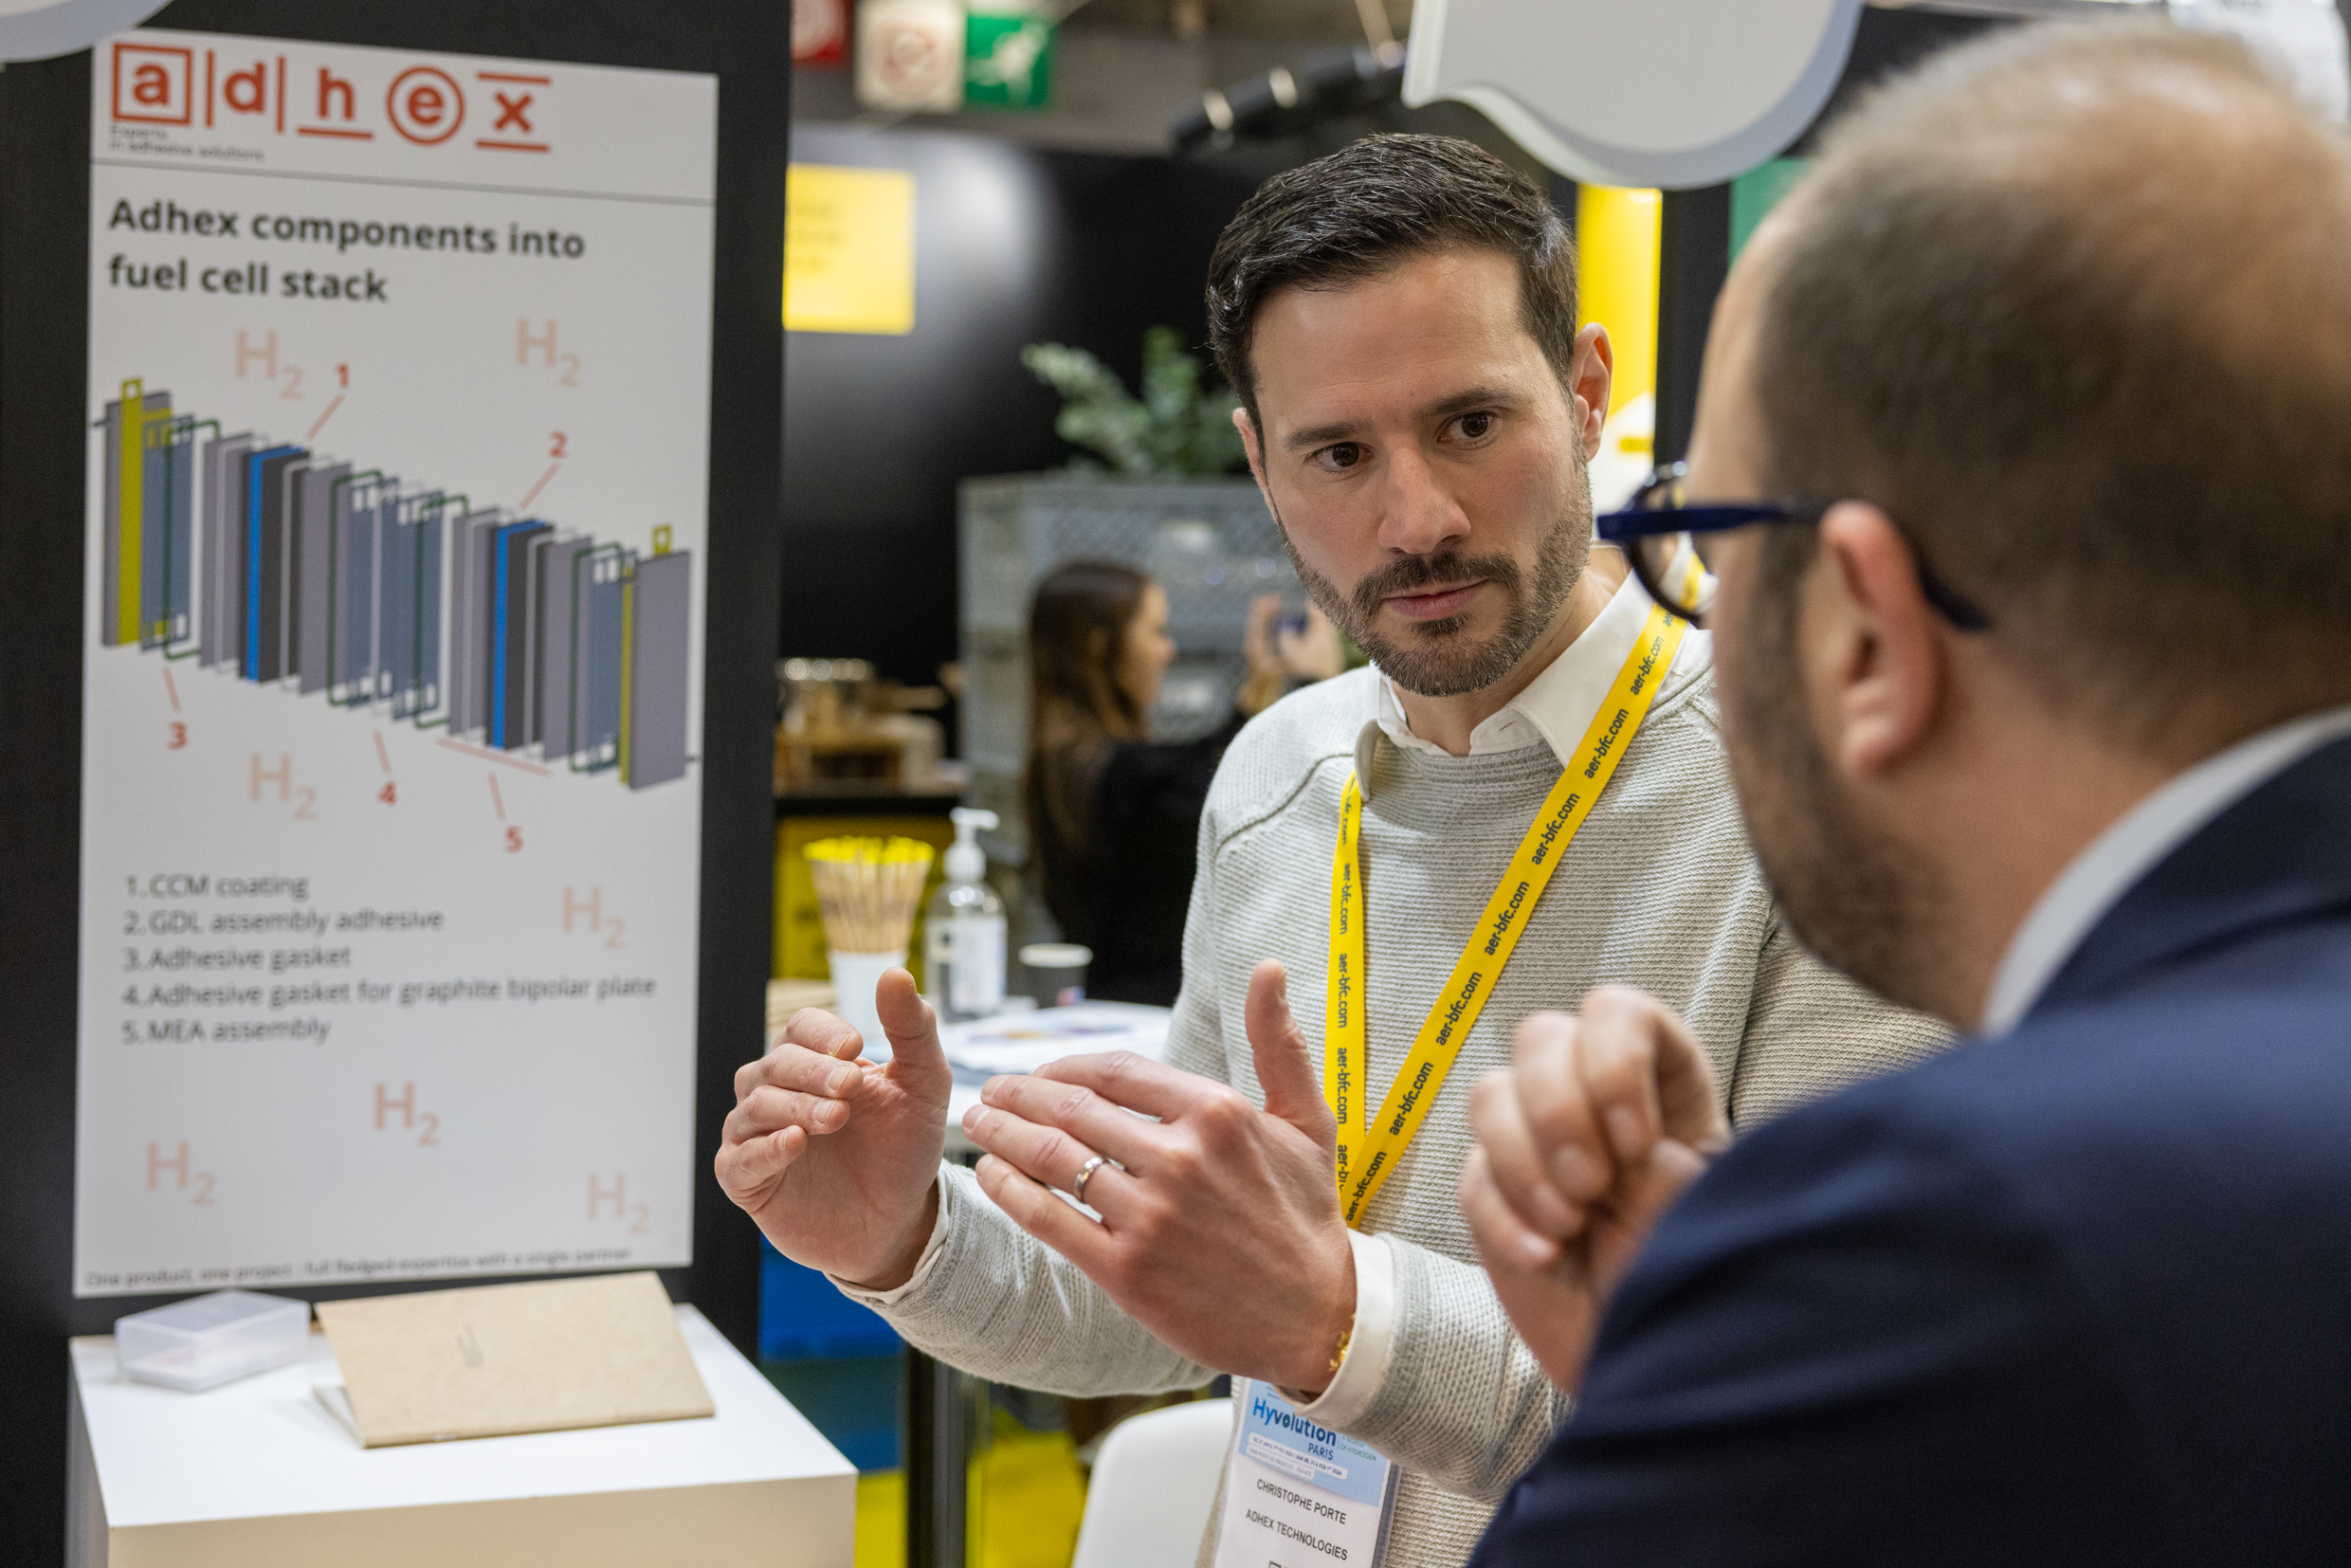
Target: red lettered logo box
155, 85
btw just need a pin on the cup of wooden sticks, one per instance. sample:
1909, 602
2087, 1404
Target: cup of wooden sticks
870, 891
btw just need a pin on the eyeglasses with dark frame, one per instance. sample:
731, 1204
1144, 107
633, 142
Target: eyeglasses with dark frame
1671, 546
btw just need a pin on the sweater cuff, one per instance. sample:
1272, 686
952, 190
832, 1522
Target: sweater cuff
931, 1249
1365, 1365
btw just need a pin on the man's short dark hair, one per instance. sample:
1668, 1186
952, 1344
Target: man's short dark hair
2071, 304
1363, 210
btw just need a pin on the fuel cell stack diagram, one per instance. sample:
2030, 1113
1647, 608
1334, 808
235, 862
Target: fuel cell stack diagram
277, 563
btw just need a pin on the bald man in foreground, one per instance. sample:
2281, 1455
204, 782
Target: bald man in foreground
2034, 668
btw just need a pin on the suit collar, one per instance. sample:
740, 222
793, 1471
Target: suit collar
2132, 846
2280, 851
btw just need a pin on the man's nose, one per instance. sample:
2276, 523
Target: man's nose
1418, 515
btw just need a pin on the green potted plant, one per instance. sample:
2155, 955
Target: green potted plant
1177, 429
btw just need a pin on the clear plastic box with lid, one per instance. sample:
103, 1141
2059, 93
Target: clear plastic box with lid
207, 1341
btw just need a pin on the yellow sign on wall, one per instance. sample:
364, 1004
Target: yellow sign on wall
1617, 232
849, 249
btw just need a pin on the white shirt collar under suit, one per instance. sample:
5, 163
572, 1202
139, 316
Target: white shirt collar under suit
2097, 877
1558, 705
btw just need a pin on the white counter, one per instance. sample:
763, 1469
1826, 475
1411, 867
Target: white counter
256, 1474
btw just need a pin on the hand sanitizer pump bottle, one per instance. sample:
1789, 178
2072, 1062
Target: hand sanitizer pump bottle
963, 929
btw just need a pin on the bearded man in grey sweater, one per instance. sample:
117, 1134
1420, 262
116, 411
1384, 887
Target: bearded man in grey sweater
1419, 405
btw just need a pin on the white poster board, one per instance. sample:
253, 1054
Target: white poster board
399, 373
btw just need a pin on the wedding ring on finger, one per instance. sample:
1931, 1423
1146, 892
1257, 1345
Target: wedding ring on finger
1086, 1173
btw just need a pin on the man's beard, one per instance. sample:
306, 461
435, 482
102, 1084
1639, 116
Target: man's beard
1437, 659
1867, 906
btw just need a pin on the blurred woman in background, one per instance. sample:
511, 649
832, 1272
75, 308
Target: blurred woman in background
1114, 817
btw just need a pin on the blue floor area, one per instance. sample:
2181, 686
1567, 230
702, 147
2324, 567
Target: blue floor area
838, 1362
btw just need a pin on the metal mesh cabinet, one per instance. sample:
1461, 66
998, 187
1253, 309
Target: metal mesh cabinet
1209, 543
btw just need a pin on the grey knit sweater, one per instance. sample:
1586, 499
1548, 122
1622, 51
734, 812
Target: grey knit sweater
1658, 890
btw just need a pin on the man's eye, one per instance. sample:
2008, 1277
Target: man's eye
1344, 455
1476, 425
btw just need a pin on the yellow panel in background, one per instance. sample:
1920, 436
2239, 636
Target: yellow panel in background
849, 249
1616, 233
1024, 1499
881, 1519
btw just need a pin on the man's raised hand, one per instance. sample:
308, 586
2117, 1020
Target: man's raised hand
1220, 1229
1604, 1119
837, 1159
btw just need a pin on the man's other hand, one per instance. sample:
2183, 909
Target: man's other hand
838, 1158
1222, 1232
1604, 1119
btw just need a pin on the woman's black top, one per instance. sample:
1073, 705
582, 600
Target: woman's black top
1125, 896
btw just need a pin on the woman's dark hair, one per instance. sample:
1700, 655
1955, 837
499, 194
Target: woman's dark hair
1077, 708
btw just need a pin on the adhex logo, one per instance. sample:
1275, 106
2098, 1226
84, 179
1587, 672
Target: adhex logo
425, 102
153, 85
422, 105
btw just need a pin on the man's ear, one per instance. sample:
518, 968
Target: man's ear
1244, 423
1590, 380
1873, 648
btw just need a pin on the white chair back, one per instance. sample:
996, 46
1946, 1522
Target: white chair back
1155, 1482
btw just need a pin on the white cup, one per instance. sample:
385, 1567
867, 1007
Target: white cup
854, 977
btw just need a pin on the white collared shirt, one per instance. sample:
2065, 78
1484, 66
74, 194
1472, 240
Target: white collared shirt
1559, 705
2095, 879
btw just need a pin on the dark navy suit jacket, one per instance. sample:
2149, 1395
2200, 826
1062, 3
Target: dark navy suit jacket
2080, 1295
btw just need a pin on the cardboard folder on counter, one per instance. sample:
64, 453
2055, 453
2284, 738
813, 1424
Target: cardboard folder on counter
494, 1360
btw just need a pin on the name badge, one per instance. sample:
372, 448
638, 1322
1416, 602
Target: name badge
1297, 1495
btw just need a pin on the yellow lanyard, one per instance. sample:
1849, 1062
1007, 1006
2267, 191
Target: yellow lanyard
1379, 1143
